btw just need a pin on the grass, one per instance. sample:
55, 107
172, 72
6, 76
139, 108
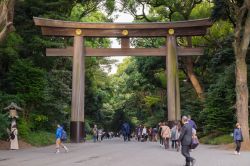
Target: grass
40, 138
217, 140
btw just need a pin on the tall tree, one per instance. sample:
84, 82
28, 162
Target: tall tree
6, 17
161, 10
238, 12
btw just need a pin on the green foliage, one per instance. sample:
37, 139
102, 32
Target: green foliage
88, 129
4, 125
136, 93
119, 118
217, 139
40, 138
24, 128
26, 81
219, 110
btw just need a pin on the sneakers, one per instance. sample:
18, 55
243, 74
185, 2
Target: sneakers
57, 152
236, 153
66, 149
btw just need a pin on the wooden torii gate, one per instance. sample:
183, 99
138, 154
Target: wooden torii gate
80, 30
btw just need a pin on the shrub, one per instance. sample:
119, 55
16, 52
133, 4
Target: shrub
40, 138
3, 125
215, 139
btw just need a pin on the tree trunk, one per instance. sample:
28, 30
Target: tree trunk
241, 88
193, 78
242, 96
191, 75
6, 18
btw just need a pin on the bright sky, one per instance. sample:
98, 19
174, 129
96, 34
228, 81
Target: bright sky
122, 17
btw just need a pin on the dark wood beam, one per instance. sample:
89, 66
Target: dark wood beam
154, 29
105, 52
194, 31
43, 22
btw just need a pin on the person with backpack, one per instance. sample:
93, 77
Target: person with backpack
61, 136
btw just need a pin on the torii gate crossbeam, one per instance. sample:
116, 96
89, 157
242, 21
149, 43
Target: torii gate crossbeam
80, 30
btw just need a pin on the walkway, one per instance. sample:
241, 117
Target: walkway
117, 153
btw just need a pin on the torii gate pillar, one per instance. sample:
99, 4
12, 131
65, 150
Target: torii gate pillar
173, 91
78, 91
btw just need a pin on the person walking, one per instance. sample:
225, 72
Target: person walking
59, 135
99, 135
238, 138
139, 133
175, 136
144, 134
159, 133
95, 133
126, 131
186, 140
165, 134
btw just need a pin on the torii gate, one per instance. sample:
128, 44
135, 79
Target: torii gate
79, 30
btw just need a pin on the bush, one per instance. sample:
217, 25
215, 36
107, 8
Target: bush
89, 137
217, 139
23, 128
40, 138
3, 125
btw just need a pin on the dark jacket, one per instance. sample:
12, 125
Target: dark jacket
125, 128
186, 135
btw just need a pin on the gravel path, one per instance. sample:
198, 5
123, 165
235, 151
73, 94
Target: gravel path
115, 152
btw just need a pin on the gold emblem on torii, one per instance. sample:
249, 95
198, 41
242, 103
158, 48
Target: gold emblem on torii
171, 31
125, 32
78, 31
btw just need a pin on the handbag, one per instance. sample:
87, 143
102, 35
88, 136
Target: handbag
195, 142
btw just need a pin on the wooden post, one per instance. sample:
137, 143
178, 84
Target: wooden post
124, 42
177, 92
172, 79
78, 89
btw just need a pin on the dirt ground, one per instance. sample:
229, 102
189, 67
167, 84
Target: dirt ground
5, 145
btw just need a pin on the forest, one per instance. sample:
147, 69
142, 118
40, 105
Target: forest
213, 87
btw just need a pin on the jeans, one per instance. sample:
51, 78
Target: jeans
238, 145
174, 144
94, 138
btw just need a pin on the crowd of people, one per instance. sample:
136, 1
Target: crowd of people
100, 134
179, 135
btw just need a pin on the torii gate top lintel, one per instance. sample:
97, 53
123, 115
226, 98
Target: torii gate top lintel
154, 29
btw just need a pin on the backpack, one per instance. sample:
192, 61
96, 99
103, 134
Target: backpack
64, 135
12, 135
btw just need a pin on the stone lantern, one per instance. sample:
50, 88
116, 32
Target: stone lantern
13, 108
